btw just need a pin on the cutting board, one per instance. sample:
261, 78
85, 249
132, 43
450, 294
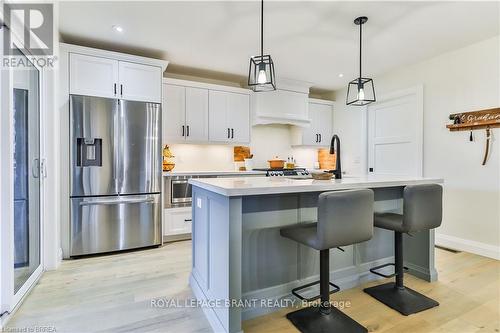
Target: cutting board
240, 153
325, 159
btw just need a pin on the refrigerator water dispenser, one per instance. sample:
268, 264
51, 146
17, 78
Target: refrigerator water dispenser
89, 152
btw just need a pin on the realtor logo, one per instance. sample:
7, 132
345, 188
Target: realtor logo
32, 24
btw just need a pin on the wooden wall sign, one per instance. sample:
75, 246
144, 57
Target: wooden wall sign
466, 121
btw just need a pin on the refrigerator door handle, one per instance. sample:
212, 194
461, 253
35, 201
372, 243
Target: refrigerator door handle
121, 147
116, 201
116, 136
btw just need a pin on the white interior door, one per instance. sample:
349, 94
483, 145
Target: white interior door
395, 126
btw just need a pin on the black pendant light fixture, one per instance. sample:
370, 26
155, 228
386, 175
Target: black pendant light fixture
261, 72
360, 91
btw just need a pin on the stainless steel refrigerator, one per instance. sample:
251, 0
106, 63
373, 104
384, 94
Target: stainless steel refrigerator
115, 174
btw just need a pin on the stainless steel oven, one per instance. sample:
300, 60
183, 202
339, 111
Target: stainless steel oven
179, 190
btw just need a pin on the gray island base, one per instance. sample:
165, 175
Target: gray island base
240, 259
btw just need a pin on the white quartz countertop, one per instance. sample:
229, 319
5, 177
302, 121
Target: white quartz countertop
243, 186
213, 173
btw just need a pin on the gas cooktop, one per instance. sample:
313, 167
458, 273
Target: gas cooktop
285, 172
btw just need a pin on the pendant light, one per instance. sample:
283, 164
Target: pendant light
360, 91
261, 71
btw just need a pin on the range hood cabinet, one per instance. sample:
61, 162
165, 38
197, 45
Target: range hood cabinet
289, 105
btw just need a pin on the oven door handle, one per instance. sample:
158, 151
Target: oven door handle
179, 181
116, 201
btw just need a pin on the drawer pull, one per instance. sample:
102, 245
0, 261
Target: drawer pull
188, 220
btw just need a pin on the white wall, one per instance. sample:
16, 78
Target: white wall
52, 156
267, 141
463, 80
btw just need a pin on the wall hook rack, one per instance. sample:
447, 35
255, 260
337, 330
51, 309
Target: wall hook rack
468, 121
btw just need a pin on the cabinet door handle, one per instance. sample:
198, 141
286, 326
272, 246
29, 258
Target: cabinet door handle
228, 133
121, 89
188, 220
232, 133
114, 88
182, 130
187, 132
316, 137
319, 137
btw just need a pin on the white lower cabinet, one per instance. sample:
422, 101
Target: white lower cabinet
177, 221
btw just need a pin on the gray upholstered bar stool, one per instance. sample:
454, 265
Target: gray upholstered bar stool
344, 218
422, 210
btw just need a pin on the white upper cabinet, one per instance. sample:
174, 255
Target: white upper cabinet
140, 82
196, 114
229, 117
218, 130
321, 129
106, 77
185, 116
238, 108
93, 76
174, 113
205, 113
325, 122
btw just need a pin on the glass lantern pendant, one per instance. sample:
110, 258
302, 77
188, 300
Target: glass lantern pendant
360, 91
261, 72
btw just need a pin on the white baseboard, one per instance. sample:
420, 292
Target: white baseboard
455, 243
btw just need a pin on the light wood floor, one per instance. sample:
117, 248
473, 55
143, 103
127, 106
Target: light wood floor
113, 294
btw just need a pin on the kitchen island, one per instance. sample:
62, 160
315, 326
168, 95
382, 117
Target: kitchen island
239, 256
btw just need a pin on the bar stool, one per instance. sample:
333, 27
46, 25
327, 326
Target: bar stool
422, 210
344, 218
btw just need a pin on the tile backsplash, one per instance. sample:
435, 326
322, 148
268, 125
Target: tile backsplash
267, 142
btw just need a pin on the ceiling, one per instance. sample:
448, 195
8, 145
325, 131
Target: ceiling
309, 41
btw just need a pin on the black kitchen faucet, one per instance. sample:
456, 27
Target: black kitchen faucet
335, 149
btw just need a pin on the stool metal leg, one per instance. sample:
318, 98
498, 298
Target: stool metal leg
324, 286
398, 254
394, 294
325, 318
